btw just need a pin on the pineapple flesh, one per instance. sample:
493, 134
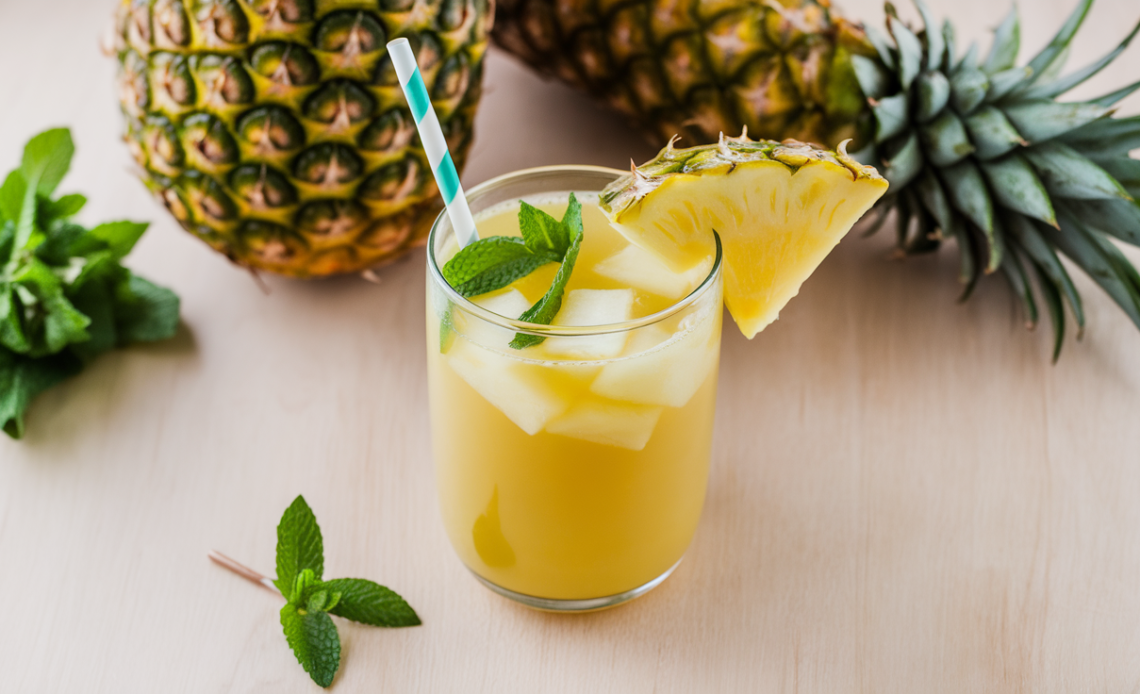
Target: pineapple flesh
276, 130
779, 209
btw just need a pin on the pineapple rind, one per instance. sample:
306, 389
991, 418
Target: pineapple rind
331, 178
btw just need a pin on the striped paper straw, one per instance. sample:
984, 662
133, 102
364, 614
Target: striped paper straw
431, 135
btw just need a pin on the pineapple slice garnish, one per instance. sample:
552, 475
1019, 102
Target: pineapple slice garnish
779, 209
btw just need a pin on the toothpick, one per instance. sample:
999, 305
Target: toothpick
242, 570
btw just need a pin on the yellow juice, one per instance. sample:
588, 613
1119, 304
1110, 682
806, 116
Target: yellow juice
576, 469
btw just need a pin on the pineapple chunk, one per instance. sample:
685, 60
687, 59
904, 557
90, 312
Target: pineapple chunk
509, 304
515, 388
663, 368
638, 268
608, 423
584, 307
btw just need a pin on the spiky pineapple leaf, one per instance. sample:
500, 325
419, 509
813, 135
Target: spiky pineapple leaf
1007, 42
1055, 88
1056, 47
1068, 174
1017, 187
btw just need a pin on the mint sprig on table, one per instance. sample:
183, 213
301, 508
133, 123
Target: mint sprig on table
65, 297
309, 600
495, 262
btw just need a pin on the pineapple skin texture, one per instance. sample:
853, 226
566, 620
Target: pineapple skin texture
698, 69
276, 130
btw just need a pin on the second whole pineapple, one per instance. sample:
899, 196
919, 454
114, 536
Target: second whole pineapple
276, 130
977, 149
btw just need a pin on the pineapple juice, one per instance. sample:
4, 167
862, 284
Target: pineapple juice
575, 469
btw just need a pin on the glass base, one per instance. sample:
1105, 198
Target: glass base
587, 605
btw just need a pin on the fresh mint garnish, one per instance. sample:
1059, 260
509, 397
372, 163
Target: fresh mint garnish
65, 297
310, 600
495, 262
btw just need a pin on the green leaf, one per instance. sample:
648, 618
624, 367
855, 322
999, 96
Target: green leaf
12, 334
910, 52
47, 157
546, 308
1056, 88
902, 165
968, 90
23, 378
1119, 218
366, 602
12, 195
992, 133
933, 93
51, 211
1107, 138
1056, 47
493, 263
969, 194
120, 237
144, 311
892, 117
541, 232
1007, 42
1005, 82
1113, 98
1025, 234
299, 546
873, 79
1052, 297
1084, 248
934, 200
1126, 171
1016, 187
62, 323
946, 140
1068, 174
935, 48
882, 45
313, 638
1014, 272
1038, 121
93, 299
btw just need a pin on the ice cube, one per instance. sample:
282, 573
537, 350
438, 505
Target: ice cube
663, 368
509, 304
637, 267
609, 423
583, 307
515, 388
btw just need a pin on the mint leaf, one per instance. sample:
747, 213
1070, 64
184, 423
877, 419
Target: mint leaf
93, 299
22, 379
299, 546
11, 327
541, 232
367, 602
12, 195
120, 237
493, 263
47, 157
572, 217
63, 207
144, 311
56, 323
313, 638
546, 308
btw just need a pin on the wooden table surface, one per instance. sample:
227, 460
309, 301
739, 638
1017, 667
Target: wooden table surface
906, 495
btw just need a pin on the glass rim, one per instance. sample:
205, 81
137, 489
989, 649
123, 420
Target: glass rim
539, 329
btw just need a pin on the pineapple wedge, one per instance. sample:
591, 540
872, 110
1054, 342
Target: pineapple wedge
779, 209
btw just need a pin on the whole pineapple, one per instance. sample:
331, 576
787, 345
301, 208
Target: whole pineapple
975, 149
276, 130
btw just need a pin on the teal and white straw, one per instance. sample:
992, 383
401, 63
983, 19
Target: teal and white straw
435, 145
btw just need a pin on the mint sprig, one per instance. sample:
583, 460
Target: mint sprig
495, 262
65, 297
310, 600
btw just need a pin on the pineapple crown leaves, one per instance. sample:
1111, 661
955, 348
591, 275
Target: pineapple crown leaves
309, 630
978, 150
65, 297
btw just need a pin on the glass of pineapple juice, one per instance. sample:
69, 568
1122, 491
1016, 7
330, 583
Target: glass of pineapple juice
571, 474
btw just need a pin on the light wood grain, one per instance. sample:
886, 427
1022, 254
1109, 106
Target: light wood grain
906, 495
